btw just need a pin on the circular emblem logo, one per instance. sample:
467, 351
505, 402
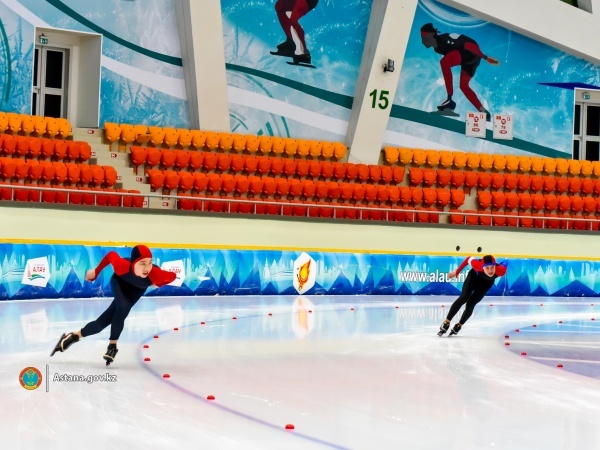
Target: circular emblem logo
30, 378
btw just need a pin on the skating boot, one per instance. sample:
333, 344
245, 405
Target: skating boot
287, 45
455, 329
448, 105
443, 328
111, 353
286, 48
65, 341
303, 58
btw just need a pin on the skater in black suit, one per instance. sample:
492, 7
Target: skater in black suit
129, 282
457, 50
478, 282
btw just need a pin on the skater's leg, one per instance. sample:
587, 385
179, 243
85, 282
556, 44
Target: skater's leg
282, 7
101, 322
446, 63
477, 296
465, 79
122, 307
464, 296
296, 31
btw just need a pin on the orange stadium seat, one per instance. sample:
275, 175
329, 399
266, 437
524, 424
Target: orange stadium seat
398, 174
327, 150
419, 157
444, 177
460, 159
446, 159
575, 185
510, 182
458, 178
523, 182
212, 140
432, 157
562, 185
512, 163
387, 174
574, 167
291, 147
473, 160
537, 183
138, 155
415, 176
167, 159
443, 197
537, 164
549, 183
562, 166
484, 198
524, 164
405, 156
498, 200
289, 167
391, 155
486, 161
484, 180
457, 197
339, 151
471, 179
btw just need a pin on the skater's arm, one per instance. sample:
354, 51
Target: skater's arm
160, 277
474, 48
501, 268
120, 265
464, 264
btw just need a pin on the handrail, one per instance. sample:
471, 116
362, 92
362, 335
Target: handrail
281, 204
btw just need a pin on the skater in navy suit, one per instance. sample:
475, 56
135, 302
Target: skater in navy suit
479, 281
129, 282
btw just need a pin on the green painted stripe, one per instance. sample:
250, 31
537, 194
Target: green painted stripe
456, 126
8, 63
345, 101
107, 34
400, 112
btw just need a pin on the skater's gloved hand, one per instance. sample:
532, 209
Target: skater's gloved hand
492, 61
90, 275
452, 274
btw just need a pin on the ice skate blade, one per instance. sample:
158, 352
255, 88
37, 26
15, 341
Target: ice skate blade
282, 53
445, 112
301, 64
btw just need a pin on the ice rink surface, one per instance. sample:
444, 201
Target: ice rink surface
347, 372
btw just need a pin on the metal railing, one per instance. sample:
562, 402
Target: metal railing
363, 212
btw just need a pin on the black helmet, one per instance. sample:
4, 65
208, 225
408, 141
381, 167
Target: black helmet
429, 28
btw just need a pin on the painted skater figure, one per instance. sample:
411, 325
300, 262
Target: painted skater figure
479, 281
289, 12
129, 282
456, 50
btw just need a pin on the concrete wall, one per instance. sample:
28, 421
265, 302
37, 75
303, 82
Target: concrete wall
191, 231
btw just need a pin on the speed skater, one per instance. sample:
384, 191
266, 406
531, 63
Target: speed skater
479, 281
129, 282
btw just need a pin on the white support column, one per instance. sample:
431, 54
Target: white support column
201, 38
387, 38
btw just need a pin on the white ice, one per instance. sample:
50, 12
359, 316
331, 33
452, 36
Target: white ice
376, 377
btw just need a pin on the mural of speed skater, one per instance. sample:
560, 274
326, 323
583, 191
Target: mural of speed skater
289, 12
457, 50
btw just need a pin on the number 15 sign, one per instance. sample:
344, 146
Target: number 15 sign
503, 126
